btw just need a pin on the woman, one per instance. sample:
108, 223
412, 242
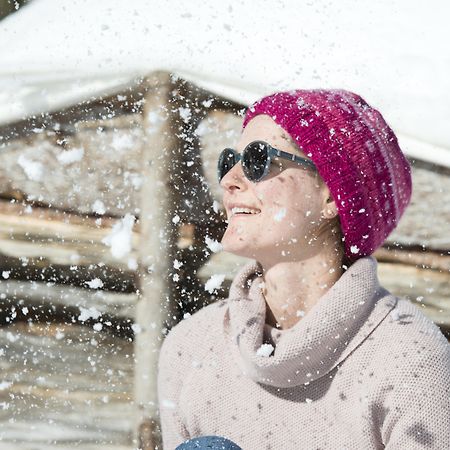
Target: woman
308, 351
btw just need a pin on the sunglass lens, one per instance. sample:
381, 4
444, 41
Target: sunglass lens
227, 160
254, 160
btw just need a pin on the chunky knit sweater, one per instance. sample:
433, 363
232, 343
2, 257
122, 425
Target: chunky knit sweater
363, 369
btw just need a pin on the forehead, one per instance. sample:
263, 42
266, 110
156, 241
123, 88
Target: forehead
264, 128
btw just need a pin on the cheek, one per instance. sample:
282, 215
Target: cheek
287, 201
282, 191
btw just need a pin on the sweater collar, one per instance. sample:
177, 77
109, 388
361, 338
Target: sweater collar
341, 319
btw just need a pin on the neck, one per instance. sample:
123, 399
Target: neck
292, 288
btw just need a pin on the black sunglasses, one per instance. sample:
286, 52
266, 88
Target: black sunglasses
256, 159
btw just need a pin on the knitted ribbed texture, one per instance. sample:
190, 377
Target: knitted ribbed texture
356, 154
364, 369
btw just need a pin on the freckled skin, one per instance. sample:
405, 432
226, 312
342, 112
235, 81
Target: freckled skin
300, 255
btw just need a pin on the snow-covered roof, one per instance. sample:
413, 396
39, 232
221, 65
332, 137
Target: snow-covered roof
394, 53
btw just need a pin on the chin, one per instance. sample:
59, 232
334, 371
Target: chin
245, 249
238, 247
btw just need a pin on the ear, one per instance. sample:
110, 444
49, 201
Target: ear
329, 210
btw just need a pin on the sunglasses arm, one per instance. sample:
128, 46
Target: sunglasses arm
273, 152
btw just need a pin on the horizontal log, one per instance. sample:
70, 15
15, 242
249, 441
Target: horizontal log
48, 298
60, 238
40, 244
64, 386
423, 259
429, 290
96, 169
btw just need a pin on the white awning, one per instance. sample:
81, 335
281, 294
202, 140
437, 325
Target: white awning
394, 53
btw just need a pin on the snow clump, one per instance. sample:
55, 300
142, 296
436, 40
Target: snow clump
214, 282
88, 313
33, 169
70, 156
265, 350
99, 207
96, 283
354, 249
120, 237
213, 245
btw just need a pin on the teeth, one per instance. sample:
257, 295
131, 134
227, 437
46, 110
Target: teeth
237, 210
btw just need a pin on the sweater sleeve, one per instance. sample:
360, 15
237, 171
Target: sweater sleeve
171, 372
418, 409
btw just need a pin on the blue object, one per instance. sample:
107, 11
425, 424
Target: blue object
208, 442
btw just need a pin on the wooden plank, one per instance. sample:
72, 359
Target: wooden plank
43, 244
429, 290
418, 258
64, 386
46, 244
39, 299
96, 168
60, 238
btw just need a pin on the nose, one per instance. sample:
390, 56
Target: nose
234, 178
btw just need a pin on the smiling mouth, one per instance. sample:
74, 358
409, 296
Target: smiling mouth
244, 215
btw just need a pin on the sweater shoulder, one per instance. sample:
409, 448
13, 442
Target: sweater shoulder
408, 334
409, 323
190, 333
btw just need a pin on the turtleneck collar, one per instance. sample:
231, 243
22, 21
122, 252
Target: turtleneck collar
341, 319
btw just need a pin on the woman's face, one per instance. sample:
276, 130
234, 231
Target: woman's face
290, 200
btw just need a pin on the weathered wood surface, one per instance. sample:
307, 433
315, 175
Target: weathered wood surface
427, 289
100, 162
41, 243
155, 254
64, 386
47, 299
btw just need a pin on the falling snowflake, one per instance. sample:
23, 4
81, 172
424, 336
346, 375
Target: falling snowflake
96, 283
33, 169
120, 237
214, 282
70, 156
265, 350
98, 207
88, 313
213, 245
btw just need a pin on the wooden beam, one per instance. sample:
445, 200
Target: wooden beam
43, 244
153, 306
41, 298
413, 257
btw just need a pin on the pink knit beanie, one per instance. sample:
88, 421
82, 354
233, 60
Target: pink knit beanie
356, 154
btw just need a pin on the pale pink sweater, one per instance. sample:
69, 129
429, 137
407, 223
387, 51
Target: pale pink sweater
362, 370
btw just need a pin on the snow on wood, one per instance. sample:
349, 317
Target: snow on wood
47, 299
35, 240
94, 167
65, 386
